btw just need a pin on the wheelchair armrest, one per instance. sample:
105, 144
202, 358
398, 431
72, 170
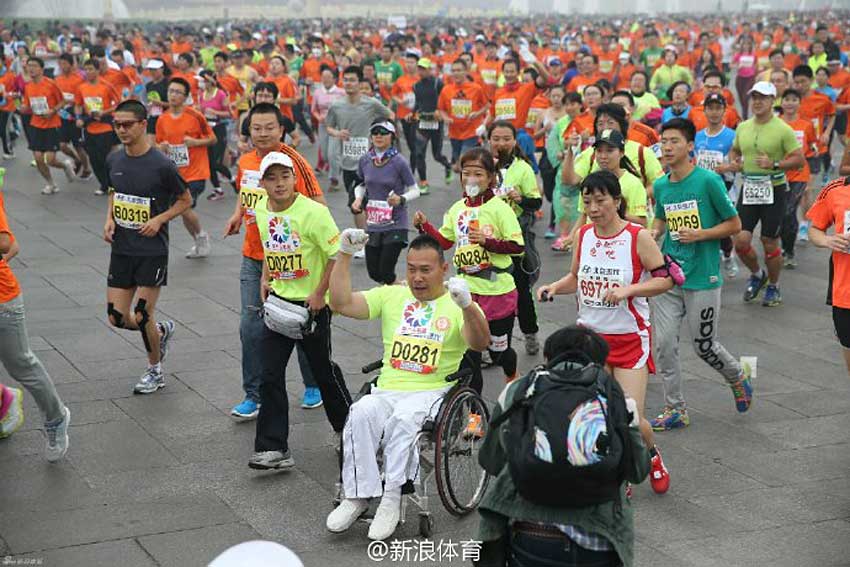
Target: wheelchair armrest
366, 388
460, 375
372, 366
428, 425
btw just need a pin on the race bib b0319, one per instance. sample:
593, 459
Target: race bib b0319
130, 211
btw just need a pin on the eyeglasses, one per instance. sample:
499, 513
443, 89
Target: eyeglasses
180, 92
126, 125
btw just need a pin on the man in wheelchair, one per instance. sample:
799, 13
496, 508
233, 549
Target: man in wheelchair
426, 327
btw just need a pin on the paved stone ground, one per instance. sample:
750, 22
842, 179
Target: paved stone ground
162, 479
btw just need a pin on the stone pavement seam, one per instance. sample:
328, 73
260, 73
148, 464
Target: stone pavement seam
145, 550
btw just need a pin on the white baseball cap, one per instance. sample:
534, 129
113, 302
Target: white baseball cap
764, 88
154, 64
275, 158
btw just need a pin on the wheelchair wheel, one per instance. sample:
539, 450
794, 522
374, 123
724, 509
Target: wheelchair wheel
460, 431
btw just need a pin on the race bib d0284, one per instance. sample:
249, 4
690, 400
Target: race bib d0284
471, 259
757, 191
130, 211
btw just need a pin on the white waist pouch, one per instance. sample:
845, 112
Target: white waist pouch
286, 318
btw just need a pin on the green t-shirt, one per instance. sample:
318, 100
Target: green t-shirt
208, 57
775, 138
633, 192
294, 65
423, 341
388, 73
496, 219
584, 165
650, 56
698, 201
521, 177
297, 244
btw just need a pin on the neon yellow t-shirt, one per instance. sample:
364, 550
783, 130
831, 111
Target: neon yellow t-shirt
521, 177
495, 219
423, 341
297, 244
633, 192
651, 166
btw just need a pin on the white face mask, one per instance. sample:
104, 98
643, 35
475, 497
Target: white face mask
786, 49
472, 190
316, 52
202, 84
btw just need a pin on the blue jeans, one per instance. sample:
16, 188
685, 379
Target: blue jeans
251, 328
460, 146
534, 551
24, 366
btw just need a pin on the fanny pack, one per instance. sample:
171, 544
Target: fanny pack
287, 319
491, 273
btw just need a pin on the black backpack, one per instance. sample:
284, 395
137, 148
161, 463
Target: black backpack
545, 402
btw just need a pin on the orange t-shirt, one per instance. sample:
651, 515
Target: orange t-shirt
538, 107
512, 102
192, 163
582, 123
578, 82
119, 81
459, 102
489, 71
607, 63
698, 97
805, 133
831, 209
730, 118
624, 77
286, 88
840, 80
403, 89
817, 108
41, 97
189, 78
305, 183
9, 287
96, 97
68, 85
177, 48
8, 82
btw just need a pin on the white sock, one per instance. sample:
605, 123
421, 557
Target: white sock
155, 368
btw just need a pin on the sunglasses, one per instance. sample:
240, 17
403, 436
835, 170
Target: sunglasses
381, 132
125, 125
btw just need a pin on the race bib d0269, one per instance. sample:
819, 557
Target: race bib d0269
757, 191
130, 211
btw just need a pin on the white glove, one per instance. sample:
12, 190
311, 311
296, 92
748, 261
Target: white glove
352, 240
459, 290
481, 131
631, 407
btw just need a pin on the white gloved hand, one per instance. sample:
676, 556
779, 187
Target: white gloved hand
481, 131
631, 407
352, 240
459, 290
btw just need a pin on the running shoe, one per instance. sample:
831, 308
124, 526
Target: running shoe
449, 176
203, 242
334, 186
730, 266
561, 244
68, 167
312, 398
790, 262
271, 460
423, 188
803, 232
344, 515
671, 418
10, 155
743, 391
550, 233
216, 195
754, 286
486, 359
99, 191
825, 178
49, 189
14, 417
57, 436
86, 175
245, 411
629, 490
166, 330
532, 345
150, 382
772, 297
659, 478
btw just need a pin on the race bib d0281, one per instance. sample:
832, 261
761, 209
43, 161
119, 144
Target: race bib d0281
355, 147
415, 354
681, 215
130, 211
757, 191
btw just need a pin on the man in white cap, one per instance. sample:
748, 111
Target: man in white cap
765, 147
300, 241
157, 94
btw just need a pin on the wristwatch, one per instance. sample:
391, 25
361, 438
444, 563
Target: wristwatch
776, 164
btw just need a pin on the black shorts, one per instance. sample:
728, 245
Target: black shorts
195, 189
770, 216
44, 139
126, 272
151, 129
70, 134
351, 180
814, 164
841, 320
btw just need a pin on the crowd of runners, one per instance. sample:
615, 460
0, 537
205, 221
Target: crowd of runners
649, 153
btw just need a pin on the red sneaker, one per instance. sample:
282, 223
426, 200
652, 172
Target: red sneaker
658, 475
629, 490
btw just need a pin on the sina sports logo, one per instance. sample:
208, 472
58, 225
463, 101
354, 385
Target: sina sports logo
281, 236
417, 314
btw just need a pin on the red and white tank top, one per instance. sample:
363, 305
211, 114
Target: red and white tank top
605, 263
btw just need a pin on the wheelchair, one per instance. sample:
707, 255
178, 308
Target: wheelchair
448, 446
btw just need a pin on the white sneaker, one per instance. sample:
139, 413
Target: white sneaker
386, 519
99, 191
57, 437
49, 189
193, 252
346, 514
271, 460
360, 254
730, 265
